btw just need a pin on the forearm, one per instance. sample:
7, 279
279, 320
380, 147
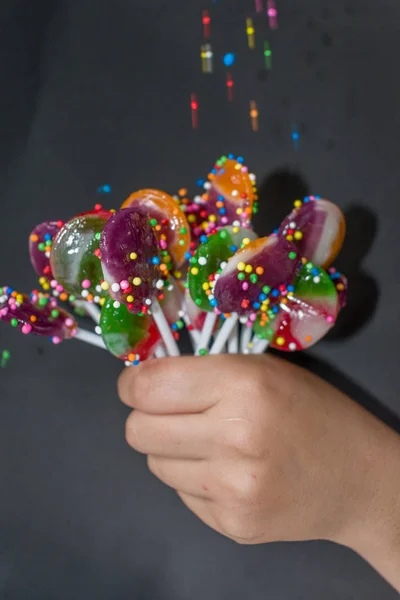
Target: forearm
376, 536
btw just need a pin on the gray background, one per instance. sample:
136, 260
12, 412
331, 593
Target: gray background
96, 92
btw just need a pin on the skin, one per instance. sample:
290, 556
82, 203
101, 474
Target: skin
263, 451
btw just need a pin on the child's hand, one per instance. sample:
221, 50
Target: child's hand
263, 451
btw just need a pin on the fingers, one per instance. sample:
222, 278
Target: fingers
189, 476
177, 385
173, 436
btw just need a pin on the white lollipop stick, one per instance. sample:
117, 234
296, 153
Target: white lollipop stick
160, 352
89, 338
164, 329
207, 331
233, 341
259, 346
193, 333
245, 339
93, 311
224, 334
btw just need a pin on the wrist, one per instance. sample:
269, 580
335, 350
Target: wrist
374, 531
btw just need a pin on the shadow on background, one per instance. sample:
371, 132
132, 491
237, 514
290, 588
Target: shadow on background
345, 384
31, 20
363, 294
276, 196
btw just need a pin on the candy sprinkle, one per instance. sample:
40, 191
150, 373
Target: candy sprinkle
229, 59
254, 116
267, 55
195, 107
5, 357
251, 40
206, 55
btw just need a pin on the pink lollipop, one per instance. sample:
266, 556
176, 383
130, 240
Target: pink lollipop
318, 228
132, 267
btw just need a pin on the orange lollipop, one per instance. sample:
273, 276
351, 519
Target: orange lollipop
169, 222
230, 192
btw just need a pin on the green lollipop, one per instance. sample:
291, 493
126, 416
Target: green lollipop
217, 249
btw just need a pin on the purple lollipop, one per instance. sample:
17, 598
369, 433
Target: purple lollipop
40, 243
318, 229
255, 273
37, 313
129, 258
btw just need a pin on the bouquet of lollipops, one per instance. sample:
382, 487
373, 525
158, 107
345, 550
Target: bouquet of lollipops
160, 264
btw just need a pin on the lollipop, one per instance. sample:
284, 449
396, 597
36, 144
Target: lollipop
75, 254
215, 250
128, 336
135, 337
132, 269
40, 244
39, 314
230, 192
254, 273
341, 285
169, 221
317, 227
306, 313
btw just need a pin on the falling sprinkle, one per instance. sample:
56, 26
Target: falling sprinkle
229, 59
250, 33
254, 115
272, 14
229, 84
206, 24
267, 55
295, 137
104, 189
206, 58
194, 107
5, 357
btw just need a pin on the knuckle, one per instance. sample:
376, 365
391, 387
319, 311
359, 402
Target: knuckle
241, 489
253, 384
240, 436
